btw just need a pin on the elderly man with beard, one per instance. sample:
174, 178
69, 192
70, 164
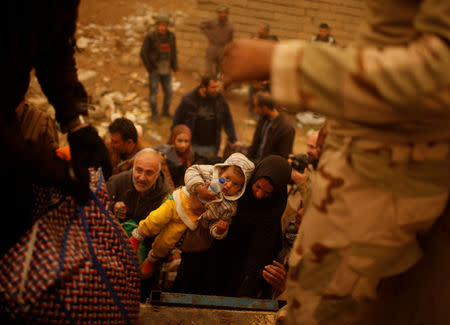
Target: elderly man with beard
205, 111
136, 192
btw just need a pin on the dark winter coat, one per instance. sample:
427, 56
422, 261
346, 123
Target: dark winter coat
120, 188
40, 35
186, 113
280, 138
35, 35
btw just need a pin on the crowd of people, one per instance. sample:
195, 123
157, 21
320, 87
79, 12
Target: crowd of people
253, 237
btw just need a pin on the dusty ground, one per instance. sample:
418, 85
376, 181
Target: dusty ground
112, 52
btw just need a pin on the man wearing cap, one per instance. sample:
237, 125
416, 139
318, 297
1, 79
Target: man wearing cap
324, 35
219, 32
159, 54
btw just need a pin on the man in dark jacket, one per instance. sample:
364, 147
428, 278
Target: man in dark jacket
135, 193
274, 134
205, 111
159, 54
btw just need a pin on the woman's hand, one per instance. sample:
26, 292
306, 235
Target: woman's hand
299, 178
120, 210
275, 275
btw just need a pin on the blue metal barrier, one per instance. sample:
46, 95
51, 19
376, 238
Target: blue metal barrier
205, 301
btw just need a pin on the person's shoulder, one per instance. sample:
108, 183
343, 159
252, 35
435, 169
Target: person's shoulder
163, 185
151, 34
285, 122
189, 96
191, 93
221, 98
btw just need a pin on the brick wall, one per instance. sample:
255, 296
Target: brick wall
289, 19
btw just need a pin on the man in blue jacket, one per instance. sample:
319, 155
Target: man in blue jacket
206, 112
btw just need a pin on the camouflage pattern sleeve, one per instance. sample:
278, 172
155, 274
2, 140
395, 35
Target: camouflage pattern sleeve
365, 85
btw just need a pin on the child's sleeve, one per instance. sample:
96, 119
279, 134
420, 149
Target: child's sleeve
224, 210
197, 175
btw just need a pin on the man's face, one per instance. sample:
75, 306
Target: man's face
162, 27
260, 110
262, 32
213, 89
118, 144
323, 32
311, 148
146, 170
223, 16
262, 188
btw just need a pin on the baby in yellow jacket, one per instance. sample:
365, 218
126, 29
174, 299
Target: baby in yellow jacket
175, 215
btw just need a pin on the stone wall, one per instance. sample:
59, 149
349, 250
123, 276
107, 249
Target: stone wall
289, 19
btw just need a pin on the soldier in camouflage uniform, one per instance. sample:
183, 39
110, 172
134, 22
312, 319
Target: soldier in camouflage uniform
384, 174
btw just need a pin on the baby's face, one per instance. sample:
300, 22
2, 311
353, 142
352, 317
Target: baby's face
233, 181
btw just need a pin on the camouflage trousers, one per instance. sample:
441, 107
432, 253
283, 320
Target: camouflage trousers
361, 224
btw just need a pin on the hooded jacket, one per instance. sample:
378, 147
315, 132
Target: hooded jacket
224, 207
254, 237
187, 113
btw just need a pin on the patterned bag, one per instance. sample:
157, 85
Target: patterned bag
73, 266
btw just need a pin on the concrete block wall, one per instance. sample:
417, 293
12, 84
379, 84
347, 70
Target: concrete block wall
289, 19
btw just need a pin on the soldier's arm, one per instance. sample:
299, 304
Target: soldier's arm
368, 85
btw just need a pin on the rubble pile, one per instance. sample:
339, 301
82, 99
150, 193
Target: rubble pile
118, 44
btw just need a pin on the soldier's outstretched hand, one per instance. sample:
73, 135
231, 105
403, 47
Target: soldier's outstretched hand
246, 60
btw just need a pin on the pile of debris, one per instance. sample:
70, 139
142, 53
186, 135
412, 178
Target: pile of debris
119, 43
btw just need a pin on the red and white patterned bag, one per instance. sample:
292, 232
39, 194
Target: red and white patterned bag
74, 266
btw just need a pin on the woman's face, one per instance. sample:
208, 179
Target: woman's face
262, 188
182, 142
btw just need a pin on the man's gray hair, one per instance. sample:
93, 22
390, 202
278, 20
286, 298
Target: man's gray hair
147, 150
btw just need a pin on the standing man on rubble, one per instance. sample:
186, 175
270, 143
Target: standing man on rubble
219, 32
159, 54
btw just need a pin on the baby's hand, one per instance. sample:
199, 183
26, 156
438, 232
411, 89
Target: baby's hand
202, 190
221, 227
120, 210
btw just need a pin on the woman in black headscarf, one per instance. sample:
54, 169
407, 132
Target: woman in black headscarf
254, 237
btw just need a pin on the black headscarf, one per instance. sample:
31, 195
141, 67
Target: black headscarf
254, 237
276, 169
